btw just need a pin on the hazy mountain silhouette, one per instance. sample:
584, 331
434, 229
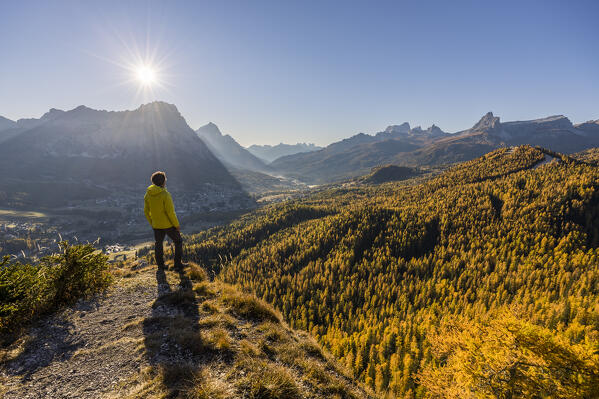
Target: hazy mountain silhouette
271, 152
589, 127
400, 144
6, 123
122, 148
10, 129
554, 132
228, 150
358, 154
111, 149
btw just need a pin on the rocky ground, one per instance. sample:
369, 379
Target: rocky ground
86, 350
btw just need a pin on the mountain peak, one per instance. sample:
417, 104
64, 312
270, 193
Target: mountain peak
79, 113
53, 113
160, 106
403, 128
487, 122
551, 122
209, 128
435, 130
228, 150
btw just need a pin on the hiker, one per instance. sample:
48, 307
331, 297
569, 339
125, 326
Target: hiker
160, 212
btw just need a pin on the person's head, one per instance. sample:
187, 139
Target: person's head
159, 178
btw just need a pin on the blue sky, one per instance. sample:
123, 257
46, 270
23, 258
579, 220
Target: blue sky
315, 71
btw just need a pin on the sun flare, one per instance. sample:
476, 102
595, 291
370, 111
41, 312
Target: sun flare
146, 75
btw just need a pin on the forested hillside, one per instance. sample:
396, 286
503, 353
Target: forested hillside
483, 279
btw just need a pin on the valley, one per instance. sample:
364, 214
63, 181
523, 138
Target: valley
109, 220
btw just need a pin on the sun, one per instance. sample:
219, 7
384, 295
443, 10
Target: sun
146, 75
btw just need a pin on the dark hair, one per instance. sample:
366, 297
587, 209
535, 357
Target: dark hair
158, 178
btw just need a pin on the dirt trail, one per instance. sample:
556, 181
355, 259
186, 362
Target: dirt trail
87, 350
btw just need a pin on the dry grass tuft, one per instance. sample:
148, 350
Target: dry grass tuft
196, 273
190, 340
272, 332
203, 290
249, 307
269, 382
312, 349
218, 339
209, 307
218, 319
207, 387
177, 377
248, 349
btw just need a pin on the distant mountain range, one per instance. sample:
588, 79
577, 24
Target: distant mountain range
98, 149
269, 153
358, 154
403, 145
84, 150
228, 150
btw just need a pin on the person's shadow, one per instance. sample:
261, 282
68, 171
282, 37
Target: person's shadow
171, 333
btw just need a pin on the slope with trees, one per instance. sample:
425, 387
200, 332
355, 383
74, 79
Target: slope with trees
375, 272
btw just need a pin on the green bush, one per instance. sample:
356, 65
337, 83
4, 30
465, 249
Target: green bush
27, 291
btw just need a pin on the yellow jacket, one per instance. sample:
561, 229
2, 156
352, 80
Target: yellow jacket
159, 208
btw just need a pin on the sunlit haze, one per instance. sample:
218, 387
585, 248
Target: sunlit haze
146, 75
271, 71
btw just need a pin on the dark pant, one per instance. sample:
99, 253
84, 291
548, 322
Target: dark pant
159, 250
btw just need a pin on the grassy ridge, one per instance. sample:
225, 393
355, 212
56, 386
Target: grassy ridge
207, 340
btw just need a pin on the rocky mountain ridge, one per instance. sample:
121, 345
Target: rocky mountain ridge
227, 150
403, 145
117, 149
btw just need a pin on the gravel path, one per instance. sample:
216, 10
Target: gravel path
87, 350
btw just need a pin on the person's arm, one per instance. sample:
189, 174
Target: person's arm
147, 209
169, 207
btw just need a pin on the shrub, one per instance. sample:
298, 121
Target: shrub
27, 291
